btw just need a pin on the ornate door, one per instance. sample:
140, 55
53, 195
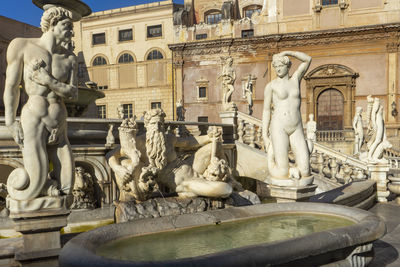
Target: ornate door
330, 110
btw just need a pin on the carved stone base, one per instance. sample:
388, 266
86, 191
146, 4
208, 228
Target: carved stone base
41, 236
41, 203
290, 182
379, 173
291, 194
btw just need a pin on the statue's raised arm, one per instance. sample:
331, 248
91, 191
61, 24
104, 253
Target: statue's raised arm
303, 67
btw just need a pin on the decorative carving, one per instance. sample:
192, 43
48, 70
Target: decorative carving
83, 191
228, 76
248, 87
392, 47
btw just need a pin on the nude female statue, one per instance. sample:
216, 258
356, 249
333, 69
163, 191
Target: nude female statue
282, 124
358, 131
48, 71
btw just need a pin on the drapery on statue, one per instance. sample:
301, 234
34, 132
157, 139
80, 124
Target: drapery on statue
228, 76
311, 132
282, 125
142, 162
358, 131
377, 132
48, 71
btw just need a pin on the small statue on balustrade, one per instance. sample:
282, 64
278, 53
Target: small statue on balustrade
358, 131
228, 76
120, 112
311, 133
248, 89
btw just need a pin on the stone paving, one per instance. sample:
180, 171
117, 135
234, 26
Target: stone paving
387, 249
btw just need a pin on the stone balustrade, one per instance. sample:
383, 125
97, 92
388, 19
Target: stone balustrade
335, 135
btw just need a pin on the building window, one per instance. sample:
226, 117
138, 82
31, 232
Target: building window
81, 69
329, 2
101, 111
203, 128
99, 61
201, 36
125, 35
247, 33
249, 10
125, 58
154, 31
154, 55
202, 92
128, 111
99, 38
213, 17
155, 105
330, 110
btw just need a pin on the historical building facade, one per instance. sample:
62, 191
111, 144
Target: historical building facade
10, 29
354, 45
125, 52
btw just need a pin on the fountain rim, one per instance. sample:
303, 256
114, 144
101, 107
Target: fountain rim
368, 228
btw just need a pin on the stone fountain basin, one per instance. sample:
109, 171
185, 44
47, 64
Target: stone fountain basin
341, 245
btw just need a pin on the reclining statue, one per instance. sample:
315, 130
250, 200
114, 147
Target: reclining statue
149, 161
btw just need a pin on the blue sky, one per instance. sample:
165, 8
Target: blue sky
26, 11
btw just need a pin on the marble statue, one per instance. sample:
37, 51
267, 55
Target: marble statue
83, 190
180, 111
358, 131
228, 76
145, 162
48, 72
120, 112
377, 130
283, 128
110, 139
311, 133
248, 93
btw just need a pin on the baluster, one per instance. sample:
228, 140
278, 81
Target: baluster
240, 130
252, 135
259, 137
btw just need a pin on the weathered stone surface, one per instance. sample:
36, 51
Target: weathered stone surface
160, 207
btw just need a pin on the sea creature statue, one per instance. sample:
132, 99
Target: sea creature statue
283, 127
83, 190
46, 67
377, 132
150, 161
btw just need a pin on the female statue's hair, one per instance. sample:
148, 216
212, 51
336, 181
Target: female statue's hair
52, 15
281, 59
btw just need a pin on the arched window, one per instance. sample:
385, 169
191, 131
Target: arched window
154, 55
99, 61
212, 17
330, 110
125, 58
249, 10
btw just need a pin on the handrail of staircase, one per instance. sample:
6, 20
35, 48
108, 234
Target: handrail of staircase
341, 156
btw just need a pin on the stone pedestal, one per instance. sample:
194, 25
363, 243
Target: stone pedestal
228, 117
394, 187
378, 173
291, 193
41, 236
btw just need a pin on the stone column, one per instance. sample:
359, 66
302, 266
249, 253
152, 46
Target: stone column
392, 63
378, 173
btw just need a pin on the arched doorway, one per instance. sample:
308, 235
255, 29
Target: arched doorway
330, 110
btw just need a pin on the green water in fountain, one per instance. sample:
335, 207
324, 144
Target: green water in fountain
204, 240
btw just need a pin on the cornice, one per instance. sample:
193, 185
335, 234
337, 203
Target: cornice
389, 32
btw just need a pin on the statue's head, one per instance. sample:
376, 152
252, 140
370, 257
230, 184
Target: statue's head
359, 110
311, 117
229, 61
154, 120
281, 65
59, 21
128, 128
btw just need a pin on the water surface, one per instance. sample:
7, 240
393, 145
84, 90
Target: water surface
204, 240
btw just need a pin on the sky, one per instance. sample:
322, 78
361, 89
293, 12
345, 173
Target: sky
26, 11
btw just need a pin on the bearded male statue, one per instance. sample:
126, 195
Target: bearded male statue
159, 161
